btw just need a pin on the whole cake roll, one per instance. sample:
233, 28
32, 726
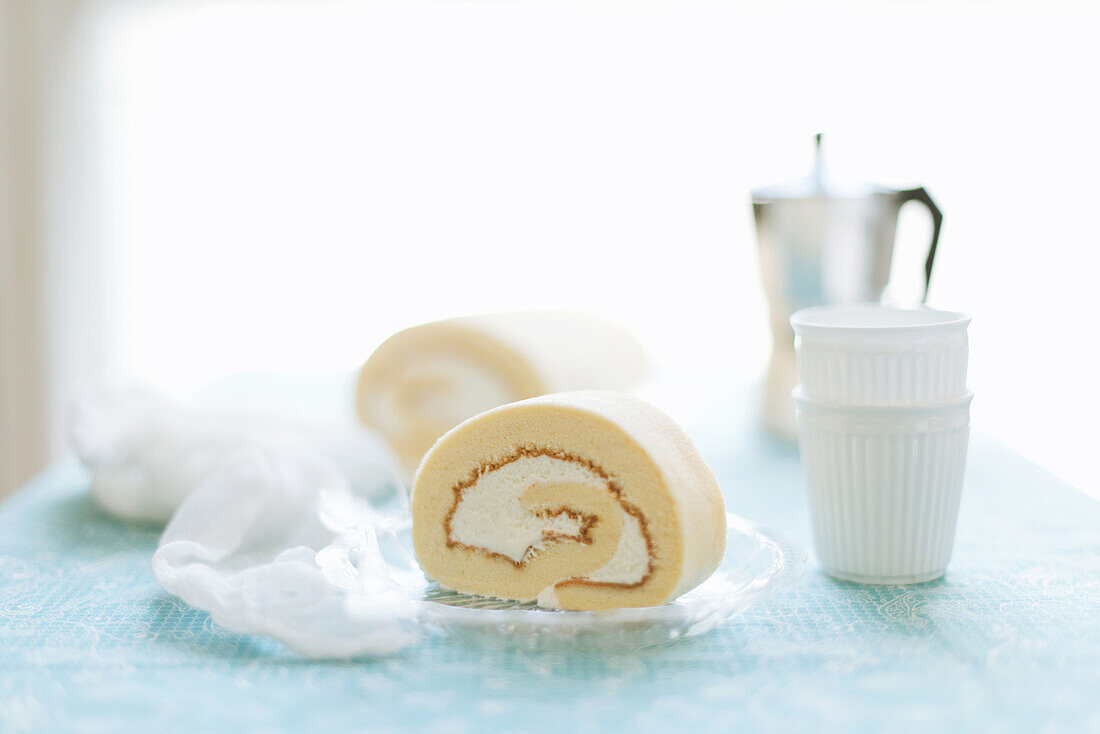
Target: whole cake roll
425, 380
581, 500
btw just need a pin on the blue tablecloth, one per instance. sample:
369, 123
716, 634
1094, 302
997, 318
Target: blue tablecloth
1009, 640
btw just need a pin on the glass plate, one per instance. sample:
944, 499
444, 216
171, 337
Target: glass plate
756, 565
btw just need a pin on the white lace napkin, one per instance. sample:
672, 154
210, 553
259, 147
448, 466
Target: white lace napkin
274, 526
244, 547
148, 452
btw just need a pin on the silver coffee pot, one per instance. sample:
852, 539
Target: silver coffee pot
823, 242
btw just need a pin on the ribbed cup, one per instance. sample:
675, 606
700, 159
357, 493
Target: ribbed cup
884, 487
869, 355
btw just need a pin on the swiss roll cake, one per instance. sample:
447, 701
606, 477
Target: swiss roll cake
580, 500
425, 380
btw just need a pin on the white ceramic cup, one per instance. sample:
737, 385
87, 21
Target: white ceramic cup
884, 486
867, 354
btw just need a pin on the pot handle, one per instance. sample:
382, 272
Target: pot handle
919, 194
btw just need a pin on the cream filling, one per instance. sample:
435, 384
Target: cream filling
491, 515
444, 390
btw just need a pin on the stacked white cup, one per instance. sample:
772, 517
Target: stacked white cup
883, 417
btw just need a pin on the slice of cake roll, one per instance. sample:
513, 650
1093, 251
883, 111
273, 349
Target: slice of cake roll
581, 500
425, 380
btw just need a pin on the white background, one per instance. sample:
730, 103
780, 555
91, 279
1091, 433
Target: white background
278, 186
